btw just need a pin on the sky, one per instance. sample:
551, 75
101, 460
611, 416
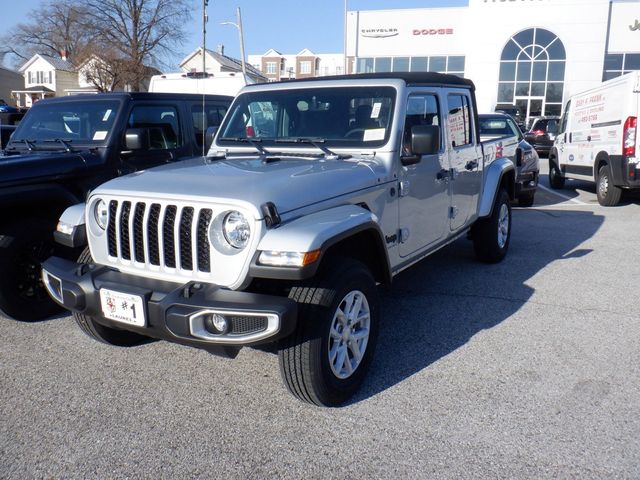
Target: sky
287, 26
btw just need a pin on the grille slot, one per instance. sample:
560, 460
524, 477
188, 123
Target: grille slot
244, 325
138, 239
125, 248
163, 236
168, 230
204, 257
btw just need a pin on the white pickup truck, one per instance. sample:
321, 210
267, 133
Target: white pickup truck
312, 194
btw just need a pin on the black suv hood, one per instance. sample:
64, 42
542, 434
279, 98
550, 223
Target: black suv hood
51, 165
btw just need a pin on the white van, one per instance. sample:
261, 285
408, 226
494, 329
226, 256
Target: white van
223, 83
597, 139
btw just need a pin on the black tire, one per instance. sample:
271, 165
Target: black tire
526, 200
491, 235
304, 360
23, 247
110, 336
608, 194
556, 180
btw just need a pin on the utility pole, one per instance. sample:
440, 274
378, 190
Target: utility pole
346, 62
238, 25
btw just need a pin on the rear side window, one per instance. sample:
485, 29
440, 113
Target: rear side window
459, 120
161, 121
213, 115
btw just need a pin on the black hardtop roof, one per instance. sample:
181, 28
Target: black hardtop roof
410, 78
137, 96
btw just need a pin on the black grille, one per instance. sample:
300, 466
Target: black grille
138, 226
149, 235
152, 234
204, 219
124, 231
186, 252
167, 236
244, 325
111, 229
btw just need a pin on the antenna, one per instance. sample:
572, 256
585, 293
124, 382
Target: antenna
204, 74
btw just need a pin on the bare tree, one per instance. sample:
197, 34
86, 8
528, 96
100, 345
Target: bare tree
60, 27
140, 33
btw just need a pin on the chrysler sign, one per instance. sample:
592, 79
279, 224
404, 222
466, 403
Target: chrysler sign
379, 32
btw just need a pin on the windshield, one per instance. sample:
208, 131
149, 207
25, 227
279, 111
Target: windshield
87, 122
335, 116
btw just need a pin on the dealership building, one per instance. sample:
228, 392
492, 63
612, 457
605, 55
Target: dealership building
530, 53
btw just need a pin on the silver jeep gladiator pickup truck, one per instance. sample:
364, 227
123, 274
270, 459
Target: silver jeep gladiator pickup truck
312, 193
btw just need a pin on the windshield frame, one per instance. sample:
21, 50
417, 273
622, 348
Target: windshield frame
278, 141
52, 142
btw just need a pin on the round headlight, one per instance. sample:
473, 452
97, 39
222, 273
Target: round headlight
101, 213
236, 230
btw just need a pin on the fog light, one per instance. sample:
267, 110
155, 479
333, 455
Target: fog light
216, 324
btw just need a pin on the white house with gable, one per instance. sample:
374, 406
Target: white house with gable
45, 76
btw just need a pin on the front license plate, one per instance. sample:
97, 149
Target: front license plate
122, 307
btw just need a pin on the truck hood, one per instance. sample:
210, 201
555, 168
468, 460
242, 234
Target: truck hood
16, 169
288, 182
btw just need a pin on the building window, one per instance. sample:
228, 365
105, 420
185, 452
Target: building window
272, 68
616, 64
452, 64
531, 74
305, 67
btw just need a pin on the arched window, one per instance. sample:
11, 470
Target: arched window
532, 72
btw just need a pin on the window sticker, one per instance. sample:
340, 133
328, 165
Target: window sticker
106, 116
375, 111
100, 135
373, 134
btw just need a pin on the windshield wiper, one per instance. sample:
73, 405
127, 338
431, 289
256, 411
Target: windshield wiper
316, 142
253, 141
66, 144
31, 146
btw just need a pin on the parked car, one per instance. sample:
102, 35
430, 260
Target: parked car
64, 148
5, 107
598, 139
515, 147
542, 133
515, 112
282, 233
5, 134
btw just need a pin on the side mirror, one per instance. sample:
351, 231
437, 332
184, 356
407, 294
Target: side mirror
208, 137
137, 139
425, 140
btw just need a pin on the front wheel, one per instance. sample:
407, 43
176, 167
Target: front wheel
108, 335
326, 358
526, 200
23, 247
556, 180
608, 194
491, 235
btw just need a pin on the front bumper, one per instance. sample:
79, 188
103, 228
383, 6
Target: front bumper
526, 182
173, 311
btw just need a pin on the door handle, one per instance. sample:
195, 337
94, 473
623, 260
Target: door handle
589, 138
471, 165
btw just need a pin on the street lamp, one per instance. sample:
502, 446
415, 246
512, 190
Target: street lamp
239, 27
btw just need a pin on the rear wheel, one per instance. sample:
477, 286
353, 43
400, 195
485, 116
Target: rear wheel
108, 335
608, 194
23, 247
326, 358
491, 235
556, 180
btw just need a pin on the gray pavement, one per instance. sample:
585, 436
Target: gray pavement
526, 369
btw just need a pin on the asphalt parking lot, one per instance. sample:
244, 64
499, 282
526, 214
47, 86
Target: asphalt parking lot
525, 369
